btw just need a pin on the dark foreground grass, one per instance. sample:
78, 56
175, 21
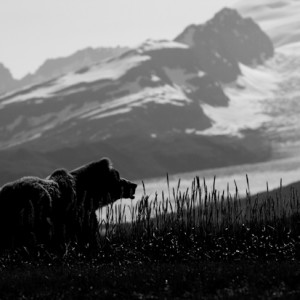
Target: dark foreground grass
152, 280
198, 245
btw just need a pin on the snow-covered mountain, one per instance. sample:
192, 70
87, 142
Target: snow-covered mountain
57, 66
165, 106
151, 90
280, 20
224, 42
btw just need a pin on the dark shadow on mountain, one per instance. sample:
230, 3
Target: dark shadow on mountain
139, 157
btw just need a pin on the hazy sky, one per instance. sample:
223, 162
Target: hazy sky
34, 30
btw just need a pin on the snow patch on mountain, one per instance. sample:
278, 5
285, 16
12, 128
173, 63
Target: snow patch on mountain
290, 49
111, 70
155, 78
246, 108
285, 108
160, 95
153, 45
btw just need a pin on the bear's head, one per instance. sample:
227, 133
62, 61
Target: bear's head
120, 187
101, 182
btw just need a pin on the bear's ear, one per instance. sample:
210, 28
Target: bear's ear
106, 163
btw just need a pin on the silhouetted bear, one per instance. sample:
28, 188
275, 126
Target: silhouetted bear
63, 206
26, 211
60, 208
97, 184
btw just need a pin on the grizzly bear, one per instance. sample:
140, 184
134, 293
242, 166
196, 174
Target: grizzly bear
62, 207
26, 211
97, 184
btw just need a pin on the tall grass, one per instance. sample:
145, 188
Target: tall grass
262, 224
198, 209
195, 222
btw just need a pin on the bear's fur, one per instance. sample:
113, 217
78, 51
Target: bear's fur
63, 206
97, 184
60, 208
100, 182
26, 211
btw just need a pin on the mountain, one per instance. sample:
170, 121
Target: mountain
58, 66
281, 80
224, 42
54, 67
151, 109
6, 79
278, 18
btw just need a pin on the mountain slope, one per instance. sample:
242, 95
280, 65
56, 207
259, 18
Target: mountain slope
7, 82
224, 42
280, 20
149, 109
57, 66
151, 90
54, 67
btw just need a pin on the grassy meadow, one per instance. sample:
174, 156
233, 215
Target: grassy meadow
193, 244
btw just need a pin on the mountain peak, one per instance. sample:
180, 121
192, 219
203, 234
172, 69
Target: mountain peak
229, 39
226, 14
6, 77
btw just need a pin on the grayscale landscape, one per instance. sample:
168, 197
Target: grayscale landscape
206, 123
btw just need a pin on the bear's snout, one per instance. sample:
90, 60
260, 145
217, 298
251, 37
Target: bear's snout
128, 188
